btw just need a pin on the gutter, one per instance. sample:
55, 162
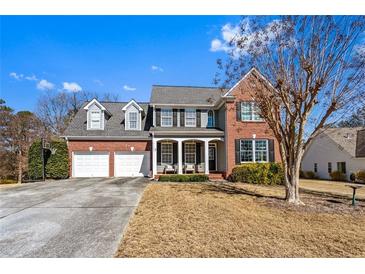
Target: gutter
106, 138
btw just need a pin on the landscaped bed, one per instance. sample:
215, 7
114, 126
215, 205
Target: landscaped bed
240, 220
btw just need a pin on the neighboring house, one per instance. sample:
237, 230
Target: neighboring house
181, 130
341, 149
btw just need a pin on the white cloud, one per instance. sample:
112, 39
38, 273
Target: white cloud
31, 78
128, 88
231, 35
44, 85
16, 76
72, 86
156, 68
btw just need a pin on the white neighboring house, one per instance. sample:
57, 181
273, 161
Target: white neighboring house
334, 149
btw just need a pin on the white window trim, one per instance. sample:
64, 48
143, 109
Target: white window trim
190, 143
172, 117
252, 112
172, 153
129, 120
213, 118
190, 110
254, 150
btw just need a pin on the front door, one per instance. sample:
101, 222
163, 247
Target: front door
212, 157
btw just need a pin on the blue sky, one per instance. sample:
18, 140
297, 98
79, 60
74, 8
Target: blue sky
124, 55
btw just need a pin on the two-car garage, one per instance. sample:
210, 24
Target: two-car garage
97, 163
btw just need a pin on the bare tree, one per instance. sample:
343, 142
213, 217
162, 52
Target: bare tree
312, 73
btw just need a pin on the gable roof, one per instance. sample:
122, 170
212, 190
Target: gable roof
114, 125
252, 70
132, 102
185, 95
345, 138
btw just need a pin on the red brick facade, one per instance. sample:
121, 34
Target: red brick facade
239, 130
110, 146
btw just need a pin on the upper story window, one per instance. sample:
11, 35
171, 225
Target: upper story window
190, 117
210, 118
95, 119
133, 120
166, 117
254, 151
250, 112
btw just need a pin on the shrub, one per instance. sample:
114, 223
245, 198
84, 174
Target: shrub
301, 174
258, 173
57, 164
309, 175
360, 175
338, 176
8, 181
184, 178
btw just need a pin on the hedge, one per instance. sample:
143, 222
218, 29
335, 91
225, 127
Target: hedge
360, 176
184, 178
56, 164
338, 176
258, 173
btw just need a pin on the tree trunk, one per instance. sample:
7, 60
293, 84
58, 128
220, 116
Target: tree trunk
291, 177
20, 168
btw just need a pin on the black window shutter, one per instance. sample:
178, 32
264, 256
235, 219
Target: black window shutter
174, 117
198, 154
183, 152
158, 117
158, 153
237, 151
238, 111
198, 118
174, 153
182, 117
271, 151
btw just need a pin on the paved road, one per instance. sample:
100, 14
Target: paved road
68, 218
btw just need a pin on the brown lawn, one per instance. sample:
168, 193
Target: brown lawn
240, 220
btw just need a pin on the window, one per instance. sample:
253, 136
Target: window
210, 118
341, 167
166, 153
250, 112
261, 151
190, 153
95, 116
132, 120
254, 151
190, 117
329, 167
166, 117
315, 167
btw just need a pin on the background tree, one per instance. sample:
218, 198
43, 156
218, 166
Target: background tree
316, 67
56, 109
357, 119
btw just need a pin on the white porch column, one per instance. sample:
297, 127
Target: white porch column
179, 157
206, 156
154, 158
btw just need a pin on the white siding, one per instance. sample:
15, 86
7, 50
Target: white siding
132, 108
324, 150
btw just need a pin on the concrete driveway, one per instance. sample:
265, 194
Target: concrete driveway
68, 218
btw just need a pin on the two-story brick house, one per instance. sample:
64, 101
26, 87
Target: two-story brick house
181, 130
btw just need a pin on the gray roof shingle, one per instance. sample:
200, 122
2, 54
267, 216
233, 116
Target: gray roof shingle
114, 126
184, 95
346, 138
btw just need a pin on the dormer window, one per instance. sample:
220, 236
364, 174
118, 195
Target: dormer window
133, 116
95, 119
95, 115
133, 120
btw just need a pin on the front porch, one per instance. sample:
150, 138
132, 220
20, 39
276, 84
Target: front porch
188, 156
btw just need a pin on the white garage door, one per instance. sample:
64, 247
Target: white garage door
132, 164
90, 164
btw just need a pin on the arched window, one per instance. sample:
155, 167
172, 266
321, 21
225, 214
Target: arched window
210, 118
